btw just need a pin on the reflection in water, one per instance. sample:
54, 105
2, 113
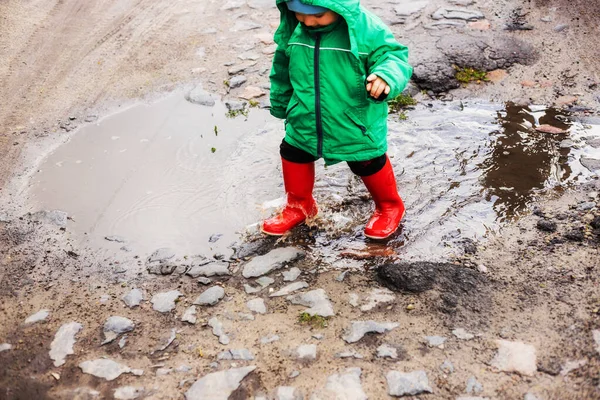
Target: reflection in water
522, 160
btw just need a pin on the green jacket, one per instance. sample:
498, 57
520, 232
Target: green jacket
319, 76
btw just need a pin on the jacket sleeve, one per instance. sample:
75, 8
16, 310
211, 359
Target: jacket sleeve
388, 60
281, 88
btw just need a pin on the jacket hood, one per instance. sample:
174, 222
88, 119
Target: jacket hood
347, 9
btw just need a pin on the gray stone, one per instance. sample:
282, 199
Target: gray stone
294, 374
242, 26
204, 281
462, 3
570, 366
237, 81
275, 259
591, 164
232, 5
251, 289
515, 357
133, 298
114, 326
200, 96
165, 302
217, 329
250, 55
596, 337
288, 393
447, 367
183, 369
5, 347
358, 329
350, 353
345, 386
210, 296
435, 341
63, 342
406, 9
123, 341
561, 27
104, 368
307, 352
318, 336
290, 289
269, 339
218, 385
291, 275
457, 13
163, 371
407, 384
471, 398
473, 386
162, 254
377, 297
342, 276
387, 351
235, 105
208, 270
260, 4
257, 306
461, 334
236, 354
189, 315
128, 393
54, 217
37, 317
115, 238
586, 206
353, 299
531, 396
317, 300
265, 281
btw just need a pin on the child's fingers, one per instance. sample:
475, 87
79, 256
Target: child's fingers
387, 89
369, 85
377, 88
371, 77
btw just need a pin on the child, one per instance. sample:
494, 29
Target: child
334, 66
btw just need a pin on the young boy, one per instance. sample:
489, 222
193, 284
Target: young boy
334, 66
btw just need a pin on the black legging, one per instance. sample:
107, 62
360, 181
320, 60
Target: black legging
360, 168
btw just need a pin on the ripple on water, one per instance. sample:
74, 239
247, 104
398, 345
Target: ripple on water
173, 174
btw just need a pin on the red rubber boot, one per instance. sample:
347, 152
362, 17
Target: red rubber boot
299, 180
389, 208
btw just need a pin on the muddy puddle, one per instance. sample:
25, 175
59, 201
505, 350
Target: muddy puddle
179, 175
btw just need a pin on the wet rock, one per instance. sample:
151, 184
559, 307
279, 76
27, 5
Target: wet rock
350, 353
128, 393
54, 217
39, 316
596, 337
288, 393
515, 357
457, 13
407, 9
407, 384
217, 330
317, 300
6, 347
115, 238
162, 254
269, 339
208, 270
377, 297
200, 96
447, 367
166, 342
343, 386
210, 296
239, 354
189, 315
290, 289
133, 298
307, 352
546, 225
265, 281
165, 302
104, 368
575, 235
591, 164
114, 326
291, 275
410, 278
387, 351
275, 259
473, 386
218, 385
237, 81
462, 334
435, 341
358, 329
257, 306
63, 342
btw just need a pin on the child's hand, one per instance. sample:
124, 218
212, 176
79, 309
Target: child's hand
377, 86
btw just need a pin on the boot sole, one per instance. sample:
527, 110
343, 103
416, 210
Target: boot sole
271, 233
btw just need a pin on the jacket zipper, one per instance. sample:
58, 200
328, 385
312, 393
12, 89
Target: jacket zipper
318, 98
